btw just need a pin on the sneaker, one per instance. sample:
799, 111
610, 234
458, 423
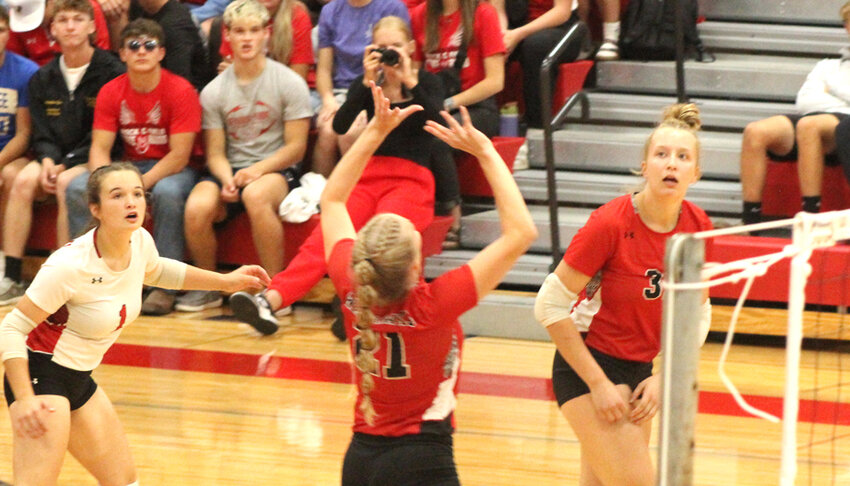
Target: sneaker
158, 303
254, 310
608, 51
11, 291
198, 300
283, 311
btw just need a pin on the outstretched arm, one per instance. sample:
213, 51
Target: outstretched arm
336, 222
518, 230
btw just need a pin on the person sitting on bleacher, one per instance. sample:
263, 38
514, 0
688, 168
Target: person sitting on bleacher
36, 41
62, 95
345, 29
289, 43
807, 136
157, 115
396, 180
256, 118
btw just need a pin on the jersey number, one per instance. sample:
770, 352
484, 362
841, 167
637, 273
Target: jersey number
396, 368
123, 314
654, 289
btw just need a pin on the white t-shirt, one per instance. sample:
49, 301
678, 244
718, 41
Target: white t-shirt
89, 303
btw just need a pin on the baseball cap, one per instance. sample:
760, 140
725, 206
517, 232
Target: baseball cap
25, 15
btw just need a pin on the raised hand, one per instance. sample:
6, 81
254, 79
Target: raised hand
462, 137
387, 118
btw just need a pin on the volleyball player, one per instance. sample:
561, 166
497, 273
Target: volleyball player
404, 333
82, 297
608, 286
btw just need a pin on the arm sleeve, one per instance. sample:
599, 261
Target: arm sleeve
358, 98
13, 331
593, 244
295, 96
302, 42
429, 93
326, 30
42, 136
27, 74
813, 95
454, 293
180, 41
210, 102
53, 285
106, 110
338, 266
185, 109
160, 271
488, 32
101, 28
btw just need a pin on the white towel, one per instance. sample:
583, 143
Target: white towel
303, 201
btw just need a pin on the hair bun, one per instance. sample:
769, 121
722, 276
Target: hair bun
685, 113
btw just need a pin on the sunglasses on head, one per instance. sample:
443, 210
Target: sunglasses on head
149, 45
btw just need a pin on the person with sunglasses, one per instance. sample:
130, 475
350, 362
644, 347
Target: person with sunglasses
157, 115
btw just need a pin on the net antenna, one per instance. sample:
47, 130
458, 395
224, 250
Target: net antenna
686, 280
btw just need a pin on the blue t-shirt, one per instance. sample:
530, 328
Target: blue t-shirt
349, 30
15, 74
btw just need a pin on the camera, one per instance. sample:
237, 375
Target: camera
389, 57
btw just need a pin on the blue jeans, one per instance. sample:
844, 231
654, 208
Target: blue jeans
169, 202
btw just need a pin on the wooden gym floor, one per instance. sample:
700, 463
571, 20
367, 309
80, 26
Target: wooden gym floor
206, 401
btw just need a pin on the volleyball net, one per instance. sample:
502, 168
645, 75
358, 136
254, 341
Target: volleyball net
814, 278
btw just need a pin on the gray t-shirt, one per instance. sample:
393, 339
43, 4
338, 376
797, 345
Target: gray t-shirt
253, 115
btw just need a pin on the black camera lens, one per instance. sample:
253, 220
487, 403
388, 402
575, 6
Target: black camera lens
390, 57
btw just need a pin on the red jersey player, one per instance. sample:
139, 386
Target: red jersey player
405, 335
609, 286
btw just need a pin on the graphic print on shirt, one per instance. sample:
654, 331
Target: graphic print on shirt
437, 61
654, 290
249, 122
8, 109
141, 138
123, 315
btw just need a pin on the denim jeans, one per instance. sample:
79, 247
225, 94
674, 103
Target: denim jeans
169, 201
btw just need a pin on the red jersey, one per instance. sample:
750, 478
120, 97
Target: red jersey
486, 41
419, 347
622, 310
302, 43
145, 120
39, 45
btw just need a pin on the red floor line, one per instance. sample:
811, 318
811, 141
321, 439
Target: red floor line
510, 386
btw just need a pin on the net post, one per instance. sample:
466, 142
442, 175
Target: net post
680, 342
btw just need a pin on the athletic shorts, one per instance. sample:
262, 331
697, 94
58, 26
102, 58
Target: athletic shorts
49, 378
830, 159
568, 385
234, 208
421, 460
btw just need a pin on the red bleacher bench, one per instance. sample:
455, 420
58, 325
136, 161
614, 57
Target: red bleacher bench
782, 190
471, 178
235, 242
570, 80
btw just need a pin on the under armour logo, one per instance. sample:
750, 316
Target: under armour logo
629, 235
35, 381
97, 280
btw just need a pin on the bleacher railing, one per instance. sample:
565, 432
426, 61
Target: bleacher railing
577, 32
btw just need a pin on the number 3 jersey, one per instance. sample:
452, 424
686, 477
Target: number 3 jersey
88, 302
418, 353
621, 306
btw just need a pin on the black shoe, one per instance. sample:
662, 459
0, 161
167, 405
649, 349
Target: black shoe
338, 326
255, 311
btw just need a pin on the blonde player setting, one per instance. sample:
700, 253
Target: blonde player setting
82, 297
602, 308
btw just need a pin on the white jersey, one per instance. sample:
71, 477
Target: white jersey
89, 303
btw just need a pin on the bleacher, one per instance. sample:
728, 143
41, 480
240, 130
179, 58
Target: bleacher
764, 51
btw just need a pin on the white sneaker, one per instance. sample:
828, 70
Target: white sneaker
608, 51
283, 311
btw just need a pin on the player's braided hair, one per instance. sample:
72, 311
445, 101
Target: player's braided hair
381, 259
681, 116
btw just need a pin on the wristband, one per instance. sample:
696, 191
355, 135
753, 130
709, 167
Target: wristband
449, 104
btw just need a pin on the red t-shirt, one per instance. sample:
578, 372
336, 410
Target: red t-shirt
39, 46
145, 120
624, 312
486, 41
302, 44
419, 348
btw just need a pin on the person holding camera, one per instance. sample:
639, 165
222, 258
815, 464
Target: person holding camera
398, 178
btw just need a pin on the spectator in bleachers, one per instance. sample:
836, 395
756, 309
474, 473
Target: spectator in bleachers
345, 29
610, 10
37, 43
807, 136
441, 28
15, 121
256, 119
205, 13
62, 95
530, 41
184, 51
289, 42
397, 179
157, 114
